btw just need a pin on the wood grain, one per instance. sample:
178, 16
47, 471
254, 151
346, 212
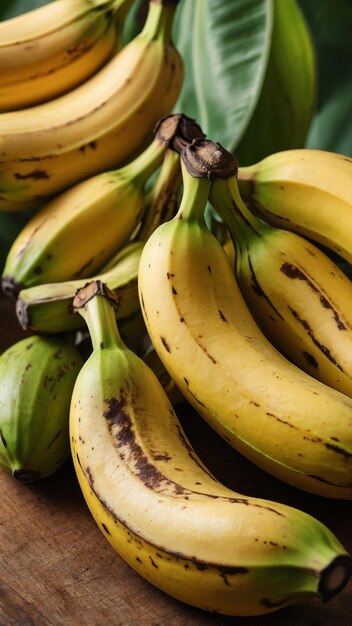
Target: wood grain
57, 569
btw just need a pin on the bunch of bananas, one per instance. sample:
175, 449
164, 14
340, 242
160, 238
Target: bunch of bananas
254, 329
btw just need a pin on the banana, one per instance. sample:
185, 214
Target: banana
299, 297
48, 308
280, 418
307, 191
50, 50
37, 375
161, 509
76, 233
99, 125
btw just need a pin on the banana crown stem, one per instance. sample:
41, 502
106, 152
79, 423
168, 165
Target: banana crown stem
226, 199
159, 22
143, 166
194, 198
97, 304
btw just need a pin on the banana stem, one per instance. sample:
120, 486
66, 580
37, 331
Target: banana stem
195, 196
143, 166
159, 20
97, 304
242, 224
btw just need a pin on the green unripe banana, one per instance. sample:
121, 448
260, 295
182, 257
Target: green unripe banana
37, 375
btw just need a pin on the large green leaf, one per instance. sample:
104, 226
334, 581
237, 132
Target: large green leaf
285, 107
16, 7
331, 26
225, 47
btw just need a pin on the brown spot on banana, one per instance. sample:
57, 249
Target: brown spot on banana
165, 344
105, 528
222, 316
294, 272
319, 345
148, 473
312, 362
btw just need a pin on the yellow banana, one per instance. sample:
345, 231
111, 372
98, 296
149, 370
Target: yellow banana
307, 191
76, 233
276, 415
299, 297
99, 125
48, 308
161, 509
50, 50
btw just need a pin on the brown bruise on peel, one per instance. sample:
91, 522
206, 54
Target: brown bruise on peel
311, 361
257, 288
319, 345
165, 344
222, 316
121, 427
34, 175
293, 272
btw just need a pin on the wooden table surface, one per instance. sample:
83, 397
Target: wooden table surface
57, 569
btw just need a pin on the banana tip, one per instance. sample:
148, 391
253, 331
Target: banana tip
25, 475
335, 577
10, 287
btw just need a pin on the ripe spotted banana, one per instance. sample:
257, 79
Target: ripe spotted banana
161, 509
299, 297
276, 415
76, 233
50, 50
48, 308
99, 125
37, 375
307, 191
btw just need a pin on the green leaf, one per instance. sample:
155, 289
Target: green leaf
285, 107
11, 8
225, 47
331, 26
